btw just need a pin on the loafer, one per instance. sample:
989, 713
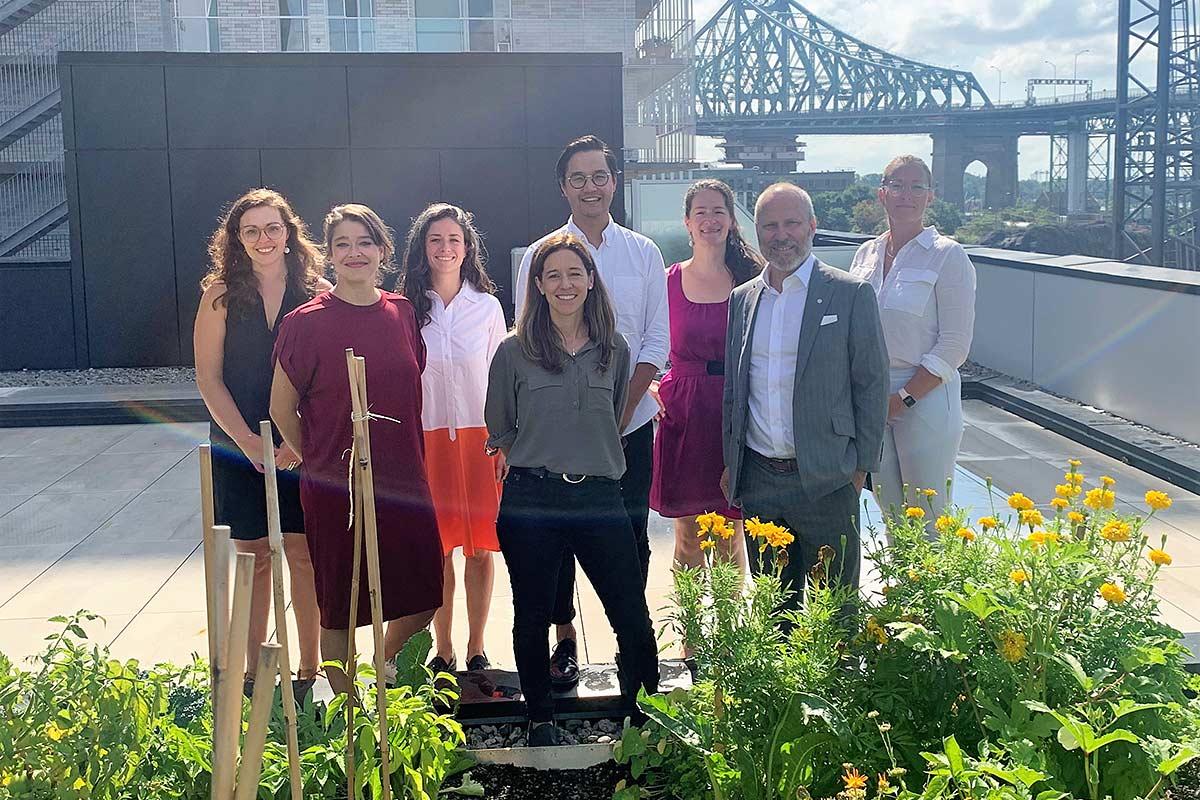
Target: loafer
564, 665
478, 663
438, 664
546, 734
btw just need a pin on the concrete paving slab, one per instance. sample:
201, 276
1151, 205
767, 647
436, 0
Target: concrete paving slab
10, 501
88, 440
184, 475
47, 519
156, 515
161, 438
21, 564
113, 472
160, 637
28, 474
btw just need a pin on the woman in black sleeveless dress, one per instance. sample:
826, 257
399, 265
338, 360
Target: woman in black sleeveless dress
263, 266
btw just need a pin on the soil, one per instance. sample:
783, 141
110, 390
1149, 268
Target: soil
504, 782
1188, 782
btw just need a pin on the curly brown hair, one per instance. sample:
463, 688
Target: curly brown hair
415, 277
377, 229
540, 342
229, 263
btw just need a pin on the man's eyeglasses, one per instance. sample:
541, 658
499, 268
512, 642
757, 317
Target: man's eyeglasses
274, 231
579, 180
896, 187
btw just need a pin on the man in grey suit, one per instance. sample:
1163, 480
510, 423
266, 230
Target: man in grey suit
806, 391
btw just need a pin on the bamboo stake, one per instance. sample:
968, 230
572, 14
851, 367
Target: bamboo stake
357, 372
260, 716
351, 655
275, 538
216, 573
229, 709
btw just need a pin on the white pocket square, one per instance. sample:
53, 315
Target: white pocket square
829, 319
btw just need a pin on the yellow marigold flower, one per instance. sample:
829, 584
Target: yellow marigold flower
1160, 558
1012, 646
1099, 499
777, 535
1067, 490
928, 492
1106, 481
1019, 576
945, 523
1075, 478
876, 631
725, 531
707, 544
1076, 517
883, 786
913, 575
1031, 517
54, 732
1039, 538
1112, 593
710, 522
914, 512
987, 523
965, 534
1158, 501
1060, 503
1116, 531
754, 527
854, 779
1019, 502
1074, 463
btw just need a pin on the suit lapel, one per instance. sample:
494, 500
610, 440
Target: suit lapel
819, 291
750, 311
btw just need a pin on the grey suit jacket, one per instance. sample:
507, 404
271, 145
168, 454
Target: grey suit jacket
842, 381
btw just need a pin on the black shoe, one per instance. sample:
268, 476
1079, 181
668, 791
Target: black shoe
478, 663
301, 687
564, 665
438, 664
545, 734
248, 688
692, 667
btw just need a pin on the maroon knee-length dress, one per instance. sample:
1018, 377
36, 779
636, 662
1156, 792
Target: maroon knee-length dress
311, 349
688, 458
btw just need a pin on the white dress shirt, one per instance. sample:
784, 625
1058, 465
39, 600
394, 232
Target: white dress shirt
632, 269
926, 302
770, 429
460, 340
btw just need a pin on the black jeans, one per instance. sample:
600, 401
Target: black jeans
635, 494
541, 518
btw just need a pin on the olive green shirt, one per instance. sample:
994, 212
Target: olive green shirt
565, 422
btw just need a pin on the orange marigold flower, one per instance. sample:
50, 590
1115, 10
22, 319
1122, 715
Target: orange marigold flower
1076, 517
1032, 517
966, 534
928, 492
853, 779
1160, 558
945, 523
1019, 502
1112, 593
987, 523
1019, 576
1158, 501
1059, 503
914, 512
1099, 499
1039, 538
707, 544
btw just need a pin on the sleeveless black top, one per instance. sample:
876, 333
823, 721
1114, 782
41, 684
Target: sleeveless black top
247, 367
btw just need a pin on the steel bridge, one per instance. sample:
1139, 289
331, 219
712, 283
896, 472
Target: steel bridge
764, 72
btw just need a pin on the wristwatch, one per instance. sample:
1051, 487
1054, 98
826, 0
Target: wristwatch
906, 398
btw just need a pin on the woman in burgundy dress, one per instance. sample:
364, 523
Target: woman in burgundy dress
310, 402
687, 449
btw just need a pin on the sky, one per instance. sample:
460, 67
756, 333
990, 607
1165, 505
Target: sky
997, 40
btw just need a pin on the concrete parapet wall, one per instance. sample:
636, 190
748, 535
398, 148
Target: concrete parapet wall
1111, 335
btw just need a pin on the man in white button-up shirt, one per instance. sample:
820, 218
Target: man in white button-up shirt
632, 269
806, 387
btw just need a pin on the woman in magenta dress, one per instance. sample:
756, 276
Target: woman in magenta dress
687, 449
310, 402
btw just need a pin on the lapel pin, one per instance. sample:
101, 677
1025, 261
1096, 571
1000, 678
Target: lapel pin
818, 300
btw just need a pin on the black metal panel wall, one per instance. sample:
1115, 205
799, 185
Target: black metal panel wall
36, 326
158, 142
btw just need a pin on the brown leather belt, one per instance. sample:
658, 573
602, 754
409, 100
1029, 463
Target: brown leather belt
783, 466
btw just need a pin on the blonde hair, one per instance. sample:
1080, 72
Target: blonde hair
907, 161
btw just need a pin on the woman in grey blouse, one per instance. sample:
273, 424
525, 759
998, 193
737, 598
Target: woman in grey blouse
556, 390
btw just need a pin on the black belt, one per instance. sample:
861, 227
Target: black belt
783, 466
542, 472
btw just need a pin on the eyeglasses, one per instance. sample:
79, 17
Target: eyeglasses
579, 180
895, 187
275, 230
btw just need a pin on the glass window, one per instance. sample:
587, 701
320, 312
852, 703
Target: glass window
439, 36
482, 34
337, 8
445, 9
293, 35
479, 8
196, 26
293, 8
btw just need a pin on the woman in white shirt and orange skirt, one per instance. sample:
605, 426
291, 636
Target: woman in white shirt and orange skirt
926, 288
462, 324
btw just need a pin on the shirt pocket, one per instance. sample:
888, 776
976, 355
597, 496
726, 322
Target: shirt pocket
600, 389
911, 290
547, 392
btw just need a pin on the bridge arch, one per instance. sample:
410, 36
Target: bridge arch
954, 149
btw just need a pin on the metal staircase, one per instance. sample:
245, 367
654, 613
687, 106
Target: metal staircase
33, 206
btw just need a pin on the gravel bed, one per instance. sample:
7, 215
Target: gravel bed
575, 731
504, 782
120, 376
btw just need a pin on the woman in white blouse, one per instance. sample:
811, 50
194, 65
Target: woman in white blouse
462, 324
926, 288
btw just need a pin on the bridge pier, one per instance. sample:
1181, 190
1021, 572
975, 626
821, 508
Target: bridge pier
955, 148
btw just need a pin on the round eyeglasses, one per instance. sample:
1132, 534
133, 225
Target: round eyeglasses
274, 231
578, 180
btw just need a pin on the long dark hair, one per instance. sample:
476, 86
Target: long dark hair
742, 260
540, 342
377, 229
415, 277
229, 263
